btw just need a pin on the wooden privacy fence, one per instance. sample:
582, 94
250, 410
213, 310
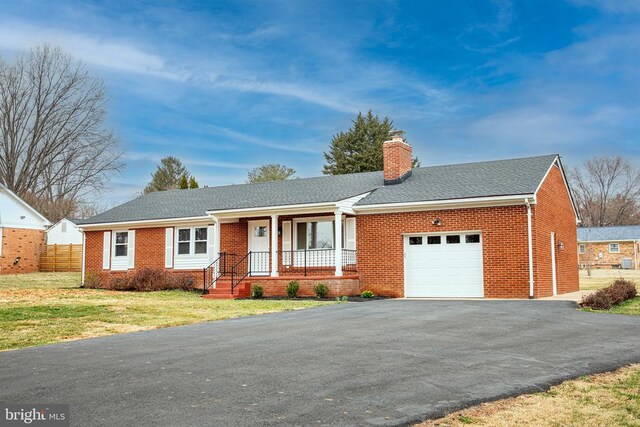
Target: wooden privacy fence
61, 258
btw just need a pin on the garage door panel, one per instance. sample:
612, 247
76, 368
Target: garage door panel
445, 269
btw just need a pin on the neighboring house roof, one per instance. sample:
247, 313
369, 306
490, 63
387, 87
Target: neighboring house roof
609, 234
482, 179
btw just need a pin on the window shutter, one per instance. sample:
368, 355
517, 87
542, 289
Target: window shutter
106, 250
131, 249
168, 247
210, 243
286, 242
350, 233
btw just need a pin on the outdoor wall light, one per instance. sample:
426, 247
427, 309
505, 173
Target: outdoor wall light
17, 260
437, 222
561, 245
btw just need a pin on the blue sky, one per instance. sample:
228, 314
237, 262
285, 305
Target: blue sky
227, 86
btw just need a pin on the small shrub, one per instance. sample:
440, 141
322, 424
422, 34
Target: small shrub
151, 279
598, 300
368, 294
92, 280
627, 288
292, 289
345, 298
257, 292
605, 298
321, 290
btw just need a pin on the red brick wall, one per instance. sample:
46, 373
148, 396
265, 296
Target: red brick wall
504, 240
24, 243
553, 213
397, 159
609, 260
276, 286
149, 252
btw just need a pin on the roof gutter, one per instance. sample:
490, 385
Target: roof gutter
530, 239
445, 204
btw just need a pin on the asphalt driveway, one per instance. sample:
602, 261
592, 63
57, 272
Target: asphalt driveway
377, 363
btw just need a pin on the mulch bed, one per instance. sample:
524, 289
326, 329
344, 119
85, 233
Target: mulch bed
351, 299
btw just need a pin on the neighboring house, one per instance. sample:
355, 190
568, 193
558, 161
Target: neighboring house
64, 232
499, 229
22, 231
609, 247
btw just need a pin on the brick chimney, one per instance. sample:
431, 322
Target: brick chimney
397, 159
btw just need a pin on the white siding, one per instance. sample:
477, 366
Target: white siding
56, 235
15, 213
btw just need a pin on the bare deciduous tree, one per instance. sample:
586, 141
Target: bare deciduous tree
54, 148
607, 191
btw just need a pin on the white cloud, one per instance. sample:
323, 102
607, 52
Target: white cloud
102, 52
155, 157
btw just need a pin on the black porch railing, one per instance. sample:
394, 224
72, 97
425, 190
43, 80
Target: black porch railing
308, 262
305, 262
253, 263
214, 271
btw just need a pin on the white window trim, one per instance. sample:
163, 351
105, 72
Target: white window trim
113, 244
192, 241
614, 252
330, 219
582, 248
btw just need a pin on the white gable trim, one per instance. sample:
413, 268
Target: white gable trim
558, 163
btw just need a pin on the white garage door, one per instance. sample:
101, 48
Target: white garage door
448, 265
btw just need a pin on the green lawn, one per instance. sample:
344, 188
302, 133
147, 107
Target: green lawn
45, 308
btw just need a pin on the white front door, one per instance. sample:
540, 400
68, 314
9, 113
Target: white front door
444, 265
259, 247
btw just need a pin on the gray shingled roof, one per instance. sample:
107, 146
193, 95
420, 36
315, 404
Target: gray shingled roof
482, 179
606, 234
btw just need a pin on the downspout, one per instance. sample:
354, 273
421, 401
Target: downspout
83, 258
530, 238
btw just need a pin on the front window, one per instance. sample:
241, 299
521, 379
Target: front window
581, 248
614, 248
314, 235
192, 241
201, 240
184, 241
122, 239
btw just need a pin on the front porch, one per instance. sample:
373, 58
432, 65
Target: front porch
271, 251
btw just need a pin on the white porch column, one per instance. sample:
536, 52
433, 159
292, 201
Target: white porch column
216, 244
274, 245
338, 243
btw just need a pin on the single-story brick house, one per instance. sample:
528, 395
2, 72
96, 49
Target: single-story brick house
498, 229
609, 247
22, 233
